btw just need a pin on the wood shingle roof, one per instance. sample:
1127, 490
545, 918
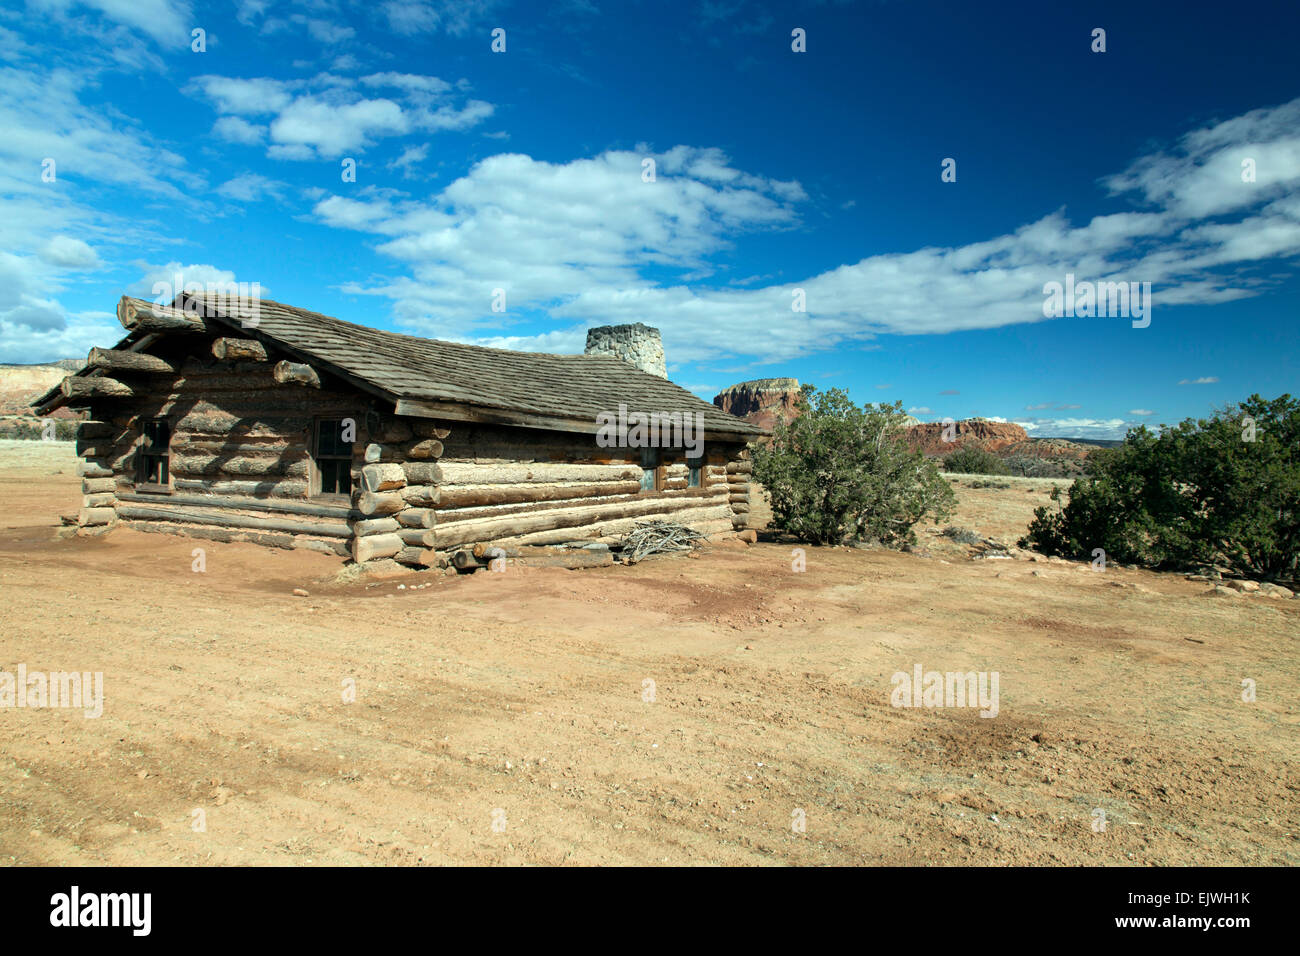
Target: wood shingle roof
423, 375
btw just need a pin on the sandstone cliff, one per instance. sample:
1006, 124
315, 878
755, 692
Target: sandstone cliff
991, 436
763, 401
20, 384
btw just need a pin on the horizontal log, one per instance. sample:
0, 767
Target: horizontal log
287, 372
674, 484
393, 432
449, 515
122, 360
244, 350
702, 518
417, 538
196, 465
382, 477
411, 556
740, 508
228, 519
426, 429
90, 430
365, 526
422, 496
738, 499
104, 500
418, 518
469, 496
100, 448
340, 512
93, 469
330, 546
422, 472
137, 315
490, 529
96, 516
376, 546
95, 486
376, 504
186, 444
473, 473
75, 386
464, 560
288, 488
739, 467
294, 542
240, 426
429, 448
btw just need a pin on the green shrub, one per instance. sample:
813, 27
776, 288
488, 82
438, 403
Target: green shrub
840, 473
1196, 494
973, 460
33, 429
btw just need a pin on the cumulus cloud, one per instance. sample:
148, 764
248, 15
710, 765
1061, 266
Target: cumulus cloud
252, 187
1203, 380
162, 283
588, 242
168, 22
69, 253
330, 116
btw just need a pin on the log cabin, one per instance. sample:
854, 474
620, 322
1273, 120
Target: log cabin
286, 428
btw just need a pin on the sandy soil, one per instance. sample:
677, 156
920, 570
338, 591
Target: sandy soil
499, 718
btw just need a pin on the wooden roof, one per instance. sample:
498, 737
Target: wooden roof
433, 378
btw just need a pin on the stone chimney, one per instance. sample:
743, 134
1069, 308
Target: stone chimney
637, 345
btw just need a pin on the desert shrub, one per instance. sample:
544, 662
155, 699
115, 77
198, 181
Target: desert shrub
840, 473
961, 535
1027, 466
1196, 494
65, 429
972, 460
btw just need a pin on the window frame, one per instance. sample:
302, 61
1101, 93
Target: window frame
652, 461
317, 484
694, 470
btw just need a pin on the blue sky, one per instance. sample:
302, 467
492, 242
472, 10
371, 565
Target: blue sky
775, 170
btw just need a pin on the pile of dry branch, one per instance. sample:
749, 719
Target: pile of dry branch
658, 537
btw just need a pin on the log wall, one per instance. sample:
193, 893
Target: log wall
241, 468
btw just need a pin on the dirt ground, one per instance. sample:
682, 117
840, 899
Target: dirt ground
508, 718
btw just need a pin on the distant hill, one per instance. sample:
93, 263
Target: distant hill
20, 384
1098, 442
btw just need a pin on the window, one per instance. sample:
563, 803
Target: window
695, 468
650, 469
333, 458
154, 450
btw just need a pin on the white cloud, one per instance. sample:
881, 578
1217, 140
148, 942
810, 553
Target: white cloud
1204, 380
252, 187
588, 242
328, 116
163, 282
1141, 412
410, 17
234, 129
168, 22
69, 253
